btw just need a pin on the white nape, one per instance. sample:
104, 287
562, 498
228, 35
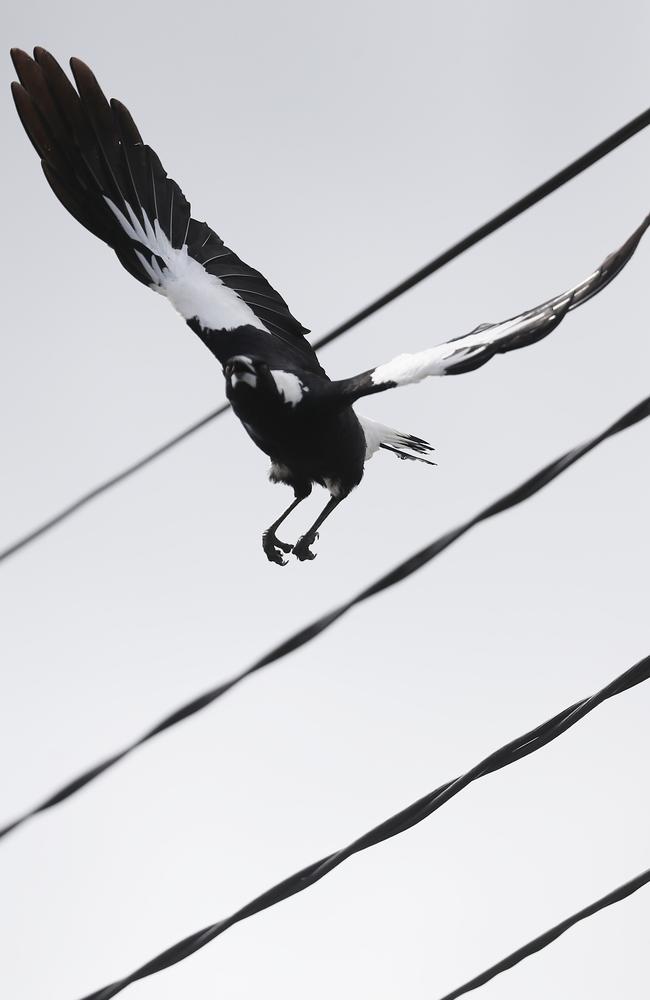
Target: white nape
289, 386
193, 291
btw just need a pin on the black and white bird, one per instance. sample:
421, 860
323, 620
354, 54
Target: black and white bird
103, 173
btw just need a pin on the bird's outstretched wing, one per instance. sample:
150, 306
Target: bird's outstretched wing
101, 171
464, 354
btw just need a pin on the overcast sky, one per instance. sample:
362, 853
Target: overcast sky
337, 148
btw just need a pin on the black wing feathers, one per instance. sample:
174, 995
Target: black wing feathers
52, 114
91, 149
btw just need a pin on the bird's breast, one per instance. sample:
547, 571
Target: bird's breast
325, 447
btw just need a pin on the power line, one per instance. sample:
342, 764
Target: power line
476, 236
319, 625
72, 508
413, 814
538, 943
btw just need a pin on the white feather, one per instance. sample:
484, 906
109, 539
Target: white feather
377, 434
289, 386
193, 291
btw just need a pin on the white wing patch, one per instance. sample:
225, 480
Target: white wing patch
289, 386
193, 291
406, 369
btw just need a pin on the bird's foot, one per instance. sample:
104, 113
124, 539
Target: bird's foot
301, 549
274, 548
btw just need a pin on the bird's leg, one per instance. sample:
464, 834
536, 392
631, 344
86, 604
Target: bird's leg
271, 543
301, 549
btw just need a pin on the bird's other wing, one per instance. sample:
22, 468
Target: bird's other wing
102, 172
464, 354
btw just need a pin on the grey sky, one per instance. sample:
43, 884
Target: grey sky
336, 148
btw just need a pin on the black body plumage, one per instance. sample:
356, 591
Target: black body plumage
317, 440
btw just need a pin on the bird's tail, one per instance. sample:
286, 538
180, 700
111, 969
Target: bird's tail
403, 445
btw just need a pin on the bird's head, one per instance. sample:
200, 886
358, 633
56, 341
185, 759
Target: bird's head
244, 373
249, 379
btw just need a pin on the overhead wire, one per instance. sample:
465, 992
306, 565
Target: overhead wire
406, 818
592, 156
543, 940
319, 625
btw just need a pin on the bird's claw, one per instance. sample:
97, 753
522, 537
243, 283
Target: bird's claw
274, 548
301, 549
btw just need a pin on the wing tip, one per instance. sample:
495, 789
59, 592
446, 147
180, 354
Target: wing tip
82, 74
45, 59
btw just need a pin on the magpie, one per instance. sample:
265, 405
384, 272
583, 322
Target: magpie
104, 174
